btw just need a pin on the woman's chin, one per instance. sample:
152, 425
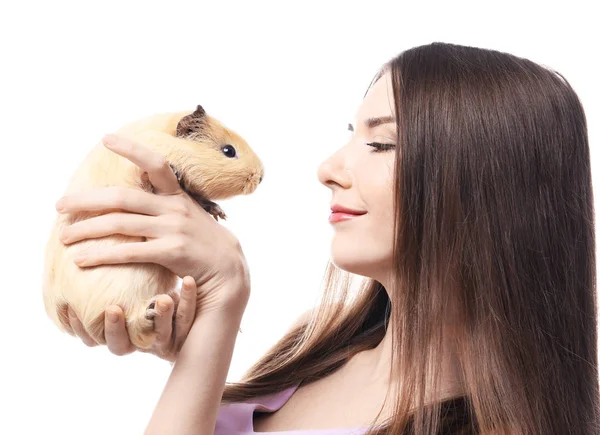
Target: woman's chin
351, 264
353, 259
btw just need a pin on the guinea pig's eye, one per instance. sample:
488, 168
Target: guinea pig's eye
228, 150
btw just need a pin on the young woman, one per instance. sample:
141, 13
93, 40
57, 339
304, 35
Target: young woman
469, 183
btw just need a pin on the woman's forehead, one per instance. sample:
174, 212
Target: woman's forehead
379, 101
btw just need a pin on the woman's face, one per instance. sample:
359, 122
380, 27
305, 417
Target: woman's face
361, 179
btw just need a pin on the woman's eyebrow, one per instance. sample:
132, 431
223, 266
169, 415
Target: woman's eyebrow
373, 122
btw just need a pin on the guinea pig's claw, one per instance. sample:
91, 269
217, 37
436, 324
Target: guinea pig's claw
218, 213
214, 209
151, 310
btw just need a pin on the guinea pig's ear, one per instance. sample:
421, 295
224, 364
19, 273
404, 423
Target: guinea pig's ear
192, 123
200, 112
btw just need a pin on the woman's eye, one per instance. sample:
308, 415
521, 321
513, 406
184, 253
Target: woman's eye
379, 147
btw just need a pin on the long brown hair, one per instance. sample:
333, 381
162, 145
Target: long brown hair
494, 214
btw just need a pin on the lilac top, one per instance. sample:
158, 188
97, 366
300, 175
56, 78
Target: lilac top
237, 418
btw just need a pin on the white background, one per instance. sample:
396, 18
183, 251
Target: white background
287, 76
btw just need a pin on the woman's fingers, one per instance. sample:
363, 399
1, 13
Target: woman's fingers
175, 296
112, 198
133, 252
171, 331
156, 165
115, 332
79, 330
186, 312
163, 320
129, 224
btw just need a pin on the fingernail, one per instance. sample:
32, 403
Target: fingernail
113, 317
60, 205
109, 140
62, 236
79, 258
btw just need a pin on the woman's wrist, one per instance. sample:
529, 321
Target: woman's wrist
227, 323
191, 399
226, 297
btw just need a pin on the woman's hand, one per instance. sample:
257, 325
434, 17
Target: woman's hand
180, 235
172, 324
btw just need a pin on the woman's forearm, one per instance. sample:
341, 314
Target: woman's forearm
190, 401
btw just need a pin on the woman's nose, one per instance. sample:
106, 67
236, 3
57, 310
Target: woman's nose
334, 171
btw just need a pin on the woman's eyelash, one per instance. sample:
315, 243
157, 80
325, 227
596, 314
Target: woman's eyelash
379, 147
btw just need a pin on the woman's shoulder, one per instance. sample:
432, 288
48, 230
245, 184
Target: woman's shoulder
237, 418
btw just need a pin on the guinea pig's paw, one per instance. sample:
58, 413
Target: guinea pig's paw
216, 211
151, 311
213, 209
140, 325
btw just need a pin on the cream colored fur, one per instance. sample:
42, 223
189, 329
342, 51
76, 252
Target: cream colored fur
89, 291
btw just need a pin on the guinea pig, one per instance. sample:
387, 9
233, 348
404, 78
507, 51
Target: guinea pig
210, 161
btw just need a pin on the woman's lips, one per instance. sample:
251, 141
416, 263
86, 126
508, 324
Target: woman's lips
339, 216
